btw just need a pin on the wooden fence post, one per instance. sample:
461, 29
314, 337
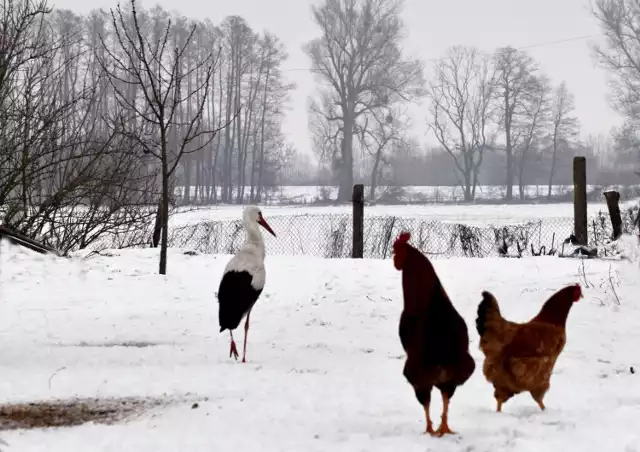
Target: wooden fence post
580, 199
613, 204
358, 221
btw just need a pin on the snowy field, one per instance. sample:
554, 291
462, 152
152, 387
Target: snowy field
467, 214
303, 194
325, 361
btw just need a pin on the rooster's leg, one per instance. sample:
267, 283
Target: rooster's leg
429, 429
233, 351
423, 395
246, 331
444, 425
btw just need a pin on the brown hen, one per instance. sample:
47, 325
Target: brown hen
520, 357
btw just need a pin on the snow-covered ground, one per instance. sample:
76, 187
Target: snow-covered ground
300, 194
325, 361
465, 214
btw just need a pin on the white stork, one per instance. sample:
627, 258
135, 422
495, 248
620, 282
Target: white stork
243, 279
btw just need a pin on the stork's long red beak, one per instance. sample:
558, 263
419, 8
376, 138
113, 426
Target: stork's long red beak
262, 222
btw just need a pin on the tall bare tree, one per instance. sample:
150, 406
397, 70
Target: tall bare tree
620, 55
378, 136
160, 75
532, 126
515, 80
620, 22
564, 127
359, 63
462, 111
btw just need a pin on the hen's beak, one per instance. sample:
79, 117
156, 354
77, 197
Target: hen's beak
262, 222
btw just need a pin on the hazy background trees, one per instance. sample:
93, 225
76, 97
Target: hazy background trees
620, 23
493, 118
102, 115
463, 112
81, 154
361, 71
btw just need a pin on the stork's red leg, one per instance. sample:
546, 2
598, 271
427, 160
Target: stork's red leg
246, 331
233, 351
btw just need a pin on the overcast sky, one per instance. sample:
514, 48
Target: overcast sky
432, 26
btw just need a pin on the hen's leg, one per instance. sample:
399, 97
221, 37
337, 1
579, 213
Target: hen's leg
444, 425
233, 351
538, 395
501, 395
424, 397
246, 331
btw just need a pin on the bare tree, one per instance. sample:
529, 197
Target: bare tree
378, 136
515, 79
532, 126
564, 127
326, 133
160, 76
62, 178
360, 65
620, 23
462, 111
270, 147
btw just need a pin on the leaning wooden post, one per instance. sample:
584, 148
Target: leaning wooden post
613, 204
580, 199
358, 221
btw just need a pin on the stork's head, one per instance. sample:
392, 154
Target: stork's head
253, 215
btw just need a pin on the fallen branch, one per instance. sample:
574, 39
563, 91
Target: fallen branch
22, 240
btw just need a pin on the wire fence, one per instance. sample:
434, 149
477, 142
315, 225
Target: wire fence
331, 236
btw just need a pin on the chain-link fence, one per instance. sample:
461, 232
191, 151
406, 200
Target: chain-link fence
331, 236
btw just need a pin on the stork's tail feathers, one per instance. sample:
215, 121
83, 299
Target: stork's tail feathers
489, 315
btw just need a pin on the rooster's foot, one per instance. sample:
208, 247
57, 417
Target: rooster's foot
443, 430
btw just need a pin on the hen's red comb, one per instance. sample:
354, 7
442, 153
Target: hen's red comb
402, 239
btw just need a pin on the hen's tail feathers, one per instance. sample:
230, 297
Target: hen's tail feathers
489, 316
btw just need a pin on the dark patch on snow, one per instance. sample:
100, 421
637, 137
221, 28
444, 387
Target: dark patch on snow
131, 344
74, 412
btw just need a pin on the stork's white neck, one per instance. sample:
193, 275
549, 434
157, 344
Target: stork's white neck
254, 237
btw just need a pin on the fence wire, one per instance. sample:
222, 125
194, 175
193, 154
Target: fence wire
331, 235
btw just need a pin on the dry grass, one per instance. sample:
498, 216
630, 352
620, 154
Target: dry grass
69, 413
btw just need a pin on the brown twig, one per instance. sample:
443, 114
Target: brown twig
54, 374
587, 284
613, 289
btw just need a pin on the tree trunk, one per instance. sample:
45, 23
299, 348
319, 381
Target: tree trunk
509, 151
374, 178
553, 168
165, 204
346, 164
157, 227
186, 178
521, 185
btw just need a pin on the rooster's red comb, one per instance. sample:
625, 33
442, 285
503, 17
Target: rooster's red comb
402, 239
